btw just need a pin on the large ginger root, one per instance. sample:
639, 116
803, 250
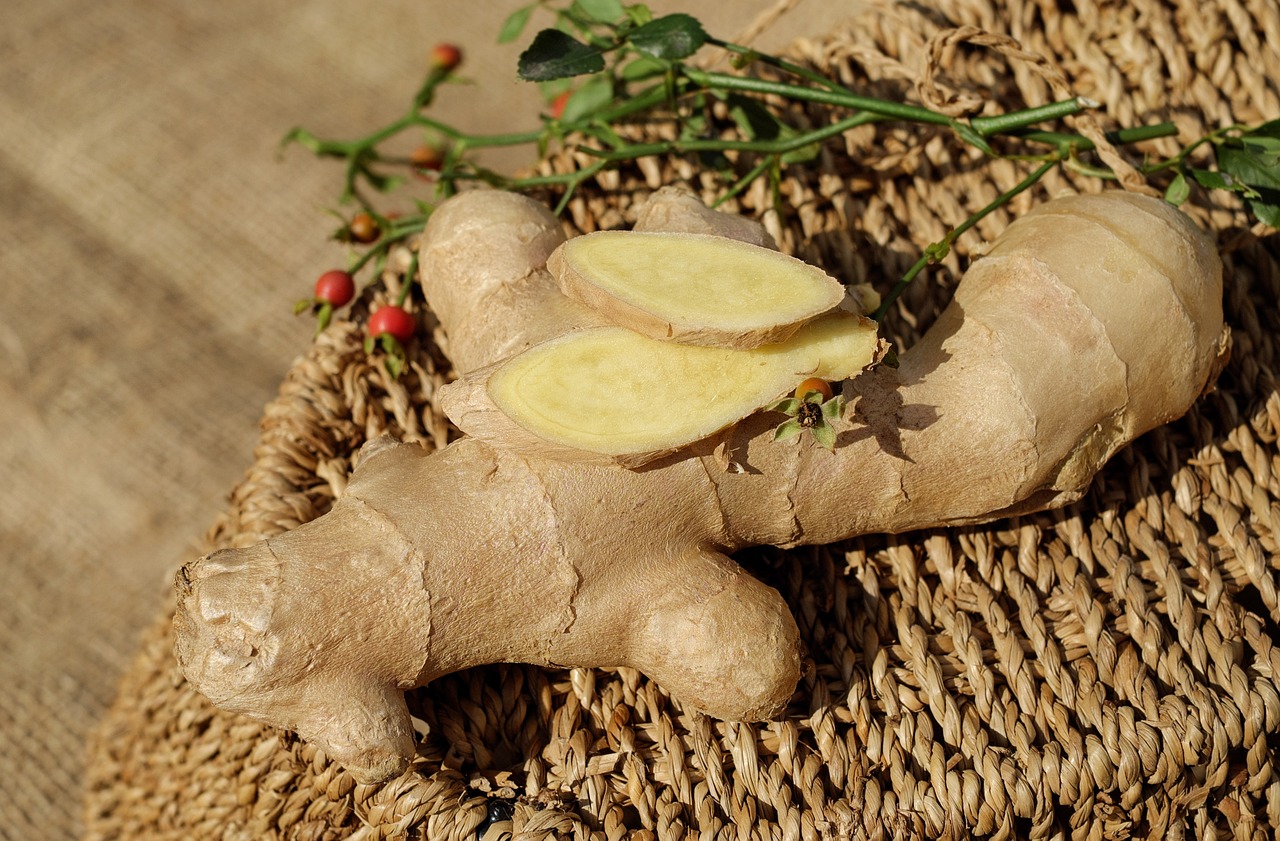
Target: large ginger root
1091, 320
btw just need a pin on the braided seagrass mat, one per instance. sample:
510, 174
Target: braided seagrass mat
1105, 671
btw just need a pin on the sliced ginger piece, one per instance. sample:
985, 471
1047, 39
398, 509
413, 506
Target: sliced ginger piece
611, 395
693, 288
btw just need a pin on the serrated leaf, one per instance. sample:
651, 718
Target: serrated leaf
594, 94
825, 435
1178, 190
557, 55
788, 430
600, 11
515, 23
670, 37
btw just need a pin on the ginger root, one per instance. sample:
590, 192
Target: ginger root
1091, 320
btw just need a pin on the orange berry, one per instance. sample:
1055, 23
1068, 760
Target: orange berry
558, 104
445, 57
814, 384
427, 157
363, 228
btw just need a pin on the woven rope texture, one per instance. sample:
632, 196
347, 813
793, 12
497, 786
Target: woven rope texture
1105, 671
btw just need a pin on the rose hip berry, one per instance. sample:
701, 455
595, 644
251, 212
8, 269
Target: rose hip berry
336, 288
813, 384
427, 158
363, 228
558, 104
392, 321
445, 57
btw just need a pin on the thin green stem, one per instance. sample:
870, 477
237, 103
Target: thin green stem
885, 108
781, 64
937, 251
763, 147
1121, 137
409, 275
1005, 123
743, 182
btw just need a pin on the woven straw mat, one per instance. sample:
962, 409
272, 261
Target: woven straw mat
1109, 670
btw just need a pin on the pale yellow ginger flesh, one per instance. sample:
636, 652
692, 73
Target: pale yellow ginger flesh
1091, 320
693, 288
615, 392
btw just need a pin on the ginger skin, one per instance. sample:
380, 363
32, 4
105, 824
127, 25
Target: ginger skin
1090, 321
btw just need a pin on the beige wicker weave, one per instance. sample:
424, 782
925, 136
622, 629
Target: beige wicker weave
1107, 671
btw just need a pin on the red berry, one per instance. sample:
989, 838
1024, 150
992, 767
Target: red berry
335, 288
445, 57
558, 104
363, 228
392, 321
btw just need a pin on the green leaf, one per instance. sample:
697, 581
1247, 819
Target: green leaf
644, 67
1258, 171
515, 23
741, 61
323, 316
594, 94
382, 183
1178, 191
787, 405
1266, 130
753, 119
825, 435
556, 55
788, 430
305, 139
600, 11
802, 155
1267, 144
1211, 179
693, 126
639, 14
832, 408
970, 135
671, 37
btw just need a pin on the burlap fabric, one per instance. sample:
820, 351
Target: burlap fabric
1108, 670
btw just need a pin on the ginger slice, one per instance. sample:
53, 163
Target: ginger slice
693, 288
609, 394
